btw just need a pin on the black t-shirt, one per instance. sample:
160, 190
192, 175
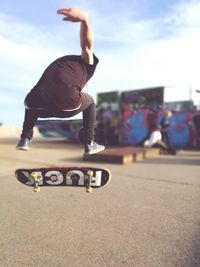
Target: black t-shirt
61, 83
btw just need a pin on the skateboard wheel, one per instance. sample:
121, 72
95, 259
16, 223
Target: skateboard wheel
89, 190
34, 175
89, 173
37, 189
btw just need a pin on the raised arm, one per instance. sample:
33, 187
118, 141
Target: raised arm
86, 38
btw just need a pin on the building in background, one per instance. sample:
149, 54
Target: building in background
180, 105
148, 98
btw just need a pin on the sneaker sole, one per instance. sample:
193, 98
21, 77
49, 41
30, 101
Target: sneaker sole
94, 151
22, 148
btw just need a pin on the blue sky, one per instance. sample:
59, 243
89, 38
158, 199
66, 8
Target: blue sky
139, 43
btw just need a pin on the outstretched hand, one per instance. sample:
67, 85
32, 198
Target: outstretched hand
73, 14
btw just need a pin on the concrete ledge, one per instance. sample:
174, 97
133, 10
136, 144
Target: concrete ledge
123, 155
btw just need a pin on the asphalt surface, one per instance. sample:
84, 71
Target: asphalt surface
149, 214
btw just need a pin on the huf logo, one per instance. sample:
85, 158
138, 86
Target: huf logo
53, 177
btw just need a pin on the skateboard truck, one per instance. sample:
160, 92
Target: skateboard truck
89, 176
37, 178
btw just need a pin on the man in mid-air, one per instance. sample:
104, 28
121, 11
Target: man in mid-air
58, 93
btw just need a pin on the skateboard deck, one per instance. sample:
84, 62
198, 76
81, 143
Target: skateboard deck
88, 177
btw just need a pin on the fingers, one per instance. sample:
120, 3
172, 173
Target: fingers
64, 11
68, 19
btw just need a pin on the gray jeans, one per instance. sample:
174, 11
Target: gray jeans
89, 117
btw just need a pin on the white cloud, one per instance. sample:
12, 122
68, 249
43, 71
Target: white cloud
25, 50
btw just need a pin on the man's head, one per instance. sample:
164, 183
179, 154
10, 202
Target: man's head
158, 128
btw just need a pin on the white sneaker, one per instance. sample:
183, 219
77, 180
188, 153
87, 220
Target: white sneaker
23, 144
93, 148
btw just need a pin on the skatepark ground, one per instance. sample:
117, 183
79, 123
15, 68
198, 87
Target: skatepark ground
148, 216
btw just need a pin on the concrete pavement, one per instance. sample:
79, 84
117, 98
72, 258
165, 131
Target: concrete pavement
148, 216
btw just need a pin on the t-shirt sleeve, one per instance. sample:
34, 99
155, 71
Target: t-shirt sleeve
91, 68
96, 60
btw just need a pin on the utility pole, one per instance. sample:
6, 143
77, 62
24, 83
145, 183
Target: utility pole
198, 91
190, 92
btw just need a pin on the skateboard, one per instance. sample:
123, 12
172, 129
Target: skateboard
87, 177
